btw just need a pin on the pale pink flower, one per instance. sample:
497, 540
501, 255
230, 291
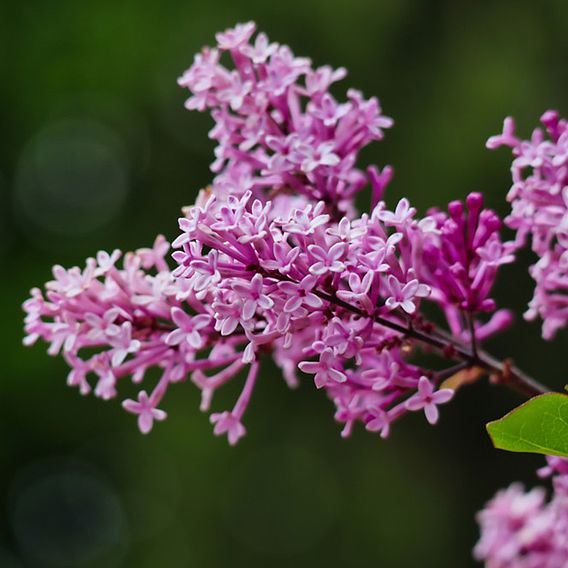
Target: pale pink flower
427, 399
145, 410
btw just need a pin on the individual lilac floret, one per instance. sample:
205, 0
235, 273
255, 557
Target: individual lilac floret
111, 323
324, 370
539, 201
522, 530
426, 399
145, 410
277, 126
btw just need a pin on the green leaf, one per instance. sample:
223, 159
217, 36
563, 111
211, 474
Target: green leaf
539, 426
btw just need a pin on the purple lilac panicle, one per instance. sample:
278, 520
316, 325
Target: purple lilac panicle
522, 530
273, 260
277, 126
539, 201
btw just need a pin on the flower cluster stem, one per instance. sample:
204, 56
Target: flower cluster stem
501, 372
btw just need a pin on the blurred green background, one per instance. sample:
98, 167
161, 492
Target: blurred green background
96, 151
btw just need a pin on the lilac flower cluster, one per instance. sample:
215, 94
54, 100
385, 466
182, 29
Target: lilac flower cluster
522, 530
332, 298
111, 323
539, 199
278, 128
273, 260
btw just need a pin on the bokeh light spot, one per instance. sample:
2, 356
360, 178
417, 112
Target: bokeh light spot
72, 178
66, 515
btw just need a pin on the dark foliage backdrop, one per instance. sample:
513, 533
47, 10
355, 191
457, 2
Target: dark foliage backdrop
96, 151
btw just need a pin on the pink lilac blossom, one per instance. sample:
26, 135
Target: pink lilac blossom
522, 530
273, 260
328, 297
539, 201
277, 126
428, 400
113, 323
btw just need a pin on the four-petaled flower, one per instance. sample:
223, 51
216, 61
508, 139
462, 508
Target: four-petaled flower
324, 370
261, 50
345, 231
155, 256
284, 257
426, 398
188, 328
302, 223
234, 37
327, 260
228, 423
146, 411
400, 216
328, 111
300, 294
251, 292
403, 296
323, 155
104, 326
